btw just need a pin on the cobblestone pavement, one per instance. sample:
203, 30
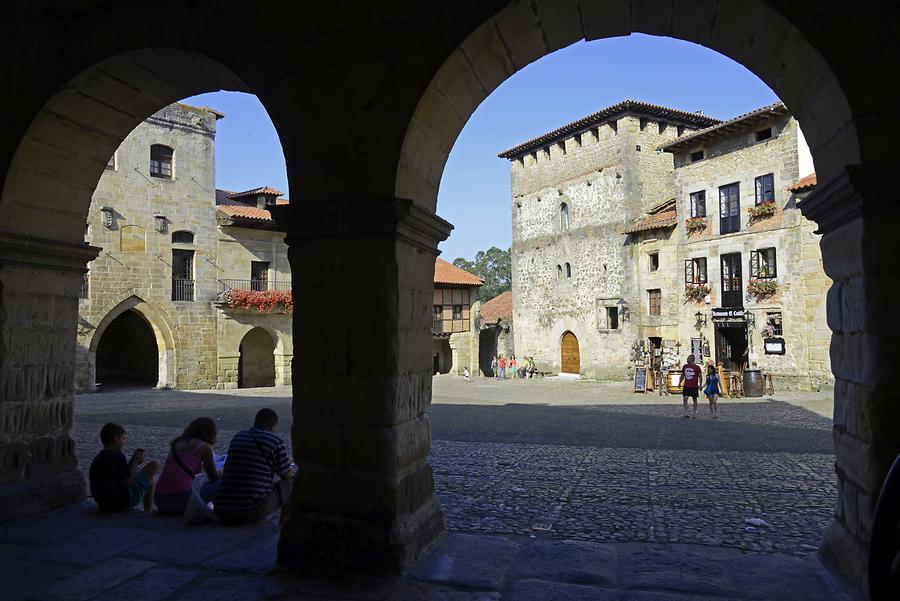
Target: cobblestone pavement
572, 460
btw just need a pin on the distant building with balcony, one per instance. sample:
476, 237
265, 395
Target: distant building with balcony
454, 342
192, 287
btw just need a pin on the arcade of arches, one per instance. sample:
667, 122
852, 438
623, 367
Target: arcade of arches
367, 103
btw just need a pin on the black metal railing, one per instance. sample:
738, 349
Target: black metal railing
182, 290
255, 285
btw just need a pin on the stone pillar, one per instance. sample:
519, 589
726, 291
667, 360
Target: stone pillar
39, 281
227, 378
363, 499
282, 369
859, 216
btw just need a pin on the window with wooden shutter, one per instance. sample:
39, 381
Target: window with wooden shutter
655, 301
695, 271
729, 209
765, 188
763, 263
698, 204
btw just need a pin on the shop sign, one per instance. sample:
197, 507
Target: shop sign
722, 313
774, 346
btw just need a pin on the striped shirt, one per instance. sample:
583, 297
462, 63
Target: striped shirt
254, 457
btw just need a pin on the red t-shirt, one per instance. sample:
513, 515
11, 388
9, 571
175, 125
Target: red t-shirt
503, 362
691, 375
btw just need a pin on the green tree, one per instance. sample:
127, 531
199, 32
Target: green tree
494, 266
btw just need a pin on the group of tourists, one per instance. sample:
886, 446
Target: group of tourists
501, 366
242, 490
689, 382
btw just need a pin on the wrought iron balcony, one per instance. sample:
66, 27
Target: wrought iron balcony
252, 285
182, 290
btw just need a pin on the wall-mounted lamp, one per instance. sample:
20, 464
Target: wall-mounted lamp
751, 320
107, 213
624, 312
701, 319
159, 223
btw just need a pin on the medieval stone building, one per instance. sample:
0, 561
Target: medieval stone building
454, 342
154, 307
573, 189
606, 272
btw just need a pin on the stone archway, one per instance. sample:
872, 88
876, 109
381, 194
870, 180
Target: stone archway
368, 105
256, 366
159, 328
127, 353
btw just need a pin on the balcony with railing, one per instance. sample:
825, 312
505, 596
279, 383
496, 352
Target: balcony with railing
267, 296
253, 285
182, 290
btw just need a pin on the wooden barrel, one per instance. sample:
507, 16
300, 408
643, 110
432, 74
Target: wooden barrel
672, 379
753, 383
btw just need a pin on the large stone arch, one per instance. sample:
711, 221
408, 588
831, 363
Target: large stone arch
165, 343
751, 33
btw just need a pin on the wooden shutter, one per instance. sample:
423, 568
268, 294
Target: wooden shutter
689, 271
773, 270
754, 264
701, 270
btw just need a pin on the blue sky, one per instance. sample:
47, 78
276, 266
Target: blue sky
559, 88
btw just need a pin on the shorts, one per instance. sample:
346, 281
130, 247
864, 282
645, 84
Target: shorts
138, 488
690, 392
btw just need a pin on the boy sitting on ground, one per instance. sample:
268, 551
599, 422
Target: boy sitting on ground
117, 484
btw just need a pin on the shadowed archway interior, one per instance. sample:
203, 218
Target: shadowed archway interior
127, 353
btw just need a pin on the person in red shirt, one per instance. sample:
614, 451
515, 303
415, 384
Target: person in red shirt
690, 384
502, 364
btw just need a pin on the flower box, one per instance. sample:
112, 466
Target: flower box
264, 301
760, 288
696, 292
695, 224
764, 209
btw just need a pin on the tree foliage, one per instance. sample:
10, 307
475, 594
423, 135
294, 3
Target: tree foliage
494, 266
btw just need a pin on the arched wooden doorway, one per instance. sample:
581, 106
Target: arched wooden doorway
256, 367
570, 354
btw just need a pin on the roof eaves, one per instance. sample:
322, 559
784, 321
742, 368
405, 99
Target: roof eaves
725, 128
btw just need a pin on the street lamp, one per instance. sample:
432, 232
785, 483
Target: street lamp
701, 319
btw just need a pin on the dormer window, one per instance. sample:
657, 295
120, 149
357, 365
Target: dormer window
161, 161
696, 156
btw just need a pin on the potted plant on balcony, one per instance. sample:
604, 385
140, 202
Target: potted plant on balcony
695, 293
695, 224
263, 301
764, 209
762, 287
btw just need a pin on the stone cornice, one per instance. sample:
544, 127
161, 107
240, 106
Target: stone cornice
858, 191
43, 253
396, 217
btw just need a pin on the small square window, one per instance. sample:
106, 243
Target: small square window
654, 261
457, 311
437, 312
696, 156
637, 147
764, 134
698, 203
612, 318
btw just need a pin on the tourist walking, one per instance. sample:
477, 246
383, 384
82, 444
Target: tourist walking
495, 362
690, 384
190, 453
118, 484
712, 389
501, 362
247, 492
466, 373
512, 367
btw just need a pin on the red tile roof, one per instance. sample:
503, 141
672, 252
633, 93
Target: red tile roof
497, 308
664, 216
603, 115
806, 183
245, 212
448, 273
256, 192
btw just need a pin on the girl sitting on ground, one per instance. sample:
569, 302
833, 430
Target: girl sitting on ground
189, 453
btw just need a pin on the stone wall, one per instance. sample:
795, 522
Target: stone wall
136, 259
564, 278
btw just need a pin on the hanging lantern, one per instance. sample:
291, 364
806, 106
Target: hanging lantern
159, 222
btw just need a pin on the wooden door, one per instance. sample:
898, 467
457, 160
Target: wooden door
571, 356
732, 285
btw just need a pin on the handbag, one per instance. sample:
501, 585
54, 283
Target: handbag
197, 510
